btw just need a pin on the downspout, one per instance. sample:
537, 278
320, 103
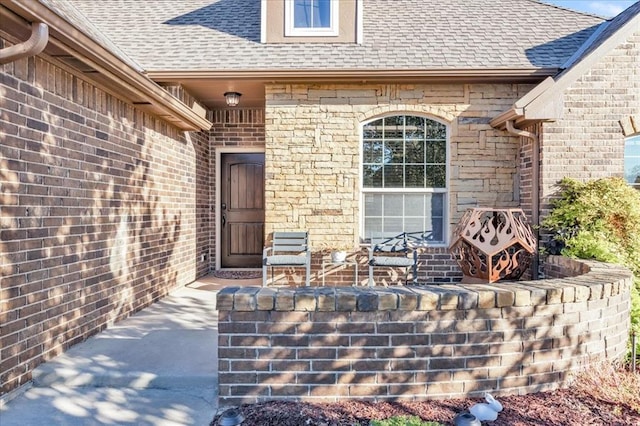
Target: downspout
535, 186
36, 44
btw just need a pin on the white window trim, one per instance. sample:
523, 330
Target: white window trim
445, 190
291, 31
359, 19
263, 21
626, 140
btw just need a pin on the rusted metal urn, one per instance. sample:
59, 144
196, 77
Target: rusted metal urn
493, 244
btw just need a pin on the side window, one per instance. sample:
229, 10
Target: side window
404, 177
311, 18
632, 161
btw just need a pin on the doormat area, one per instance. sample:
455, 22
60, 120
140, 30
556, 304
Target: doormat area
238, 275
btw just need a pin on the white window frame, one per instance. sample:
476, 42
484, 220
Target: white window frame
291, 31
635, 138
445, 190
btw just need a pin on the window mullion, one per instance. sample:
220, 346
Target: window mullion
424, 205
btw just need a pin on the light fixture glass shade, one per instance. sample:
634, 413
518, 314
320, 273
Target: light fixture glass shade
232, 98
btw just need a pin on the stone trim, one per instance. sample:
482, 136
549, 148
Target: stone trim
593, 283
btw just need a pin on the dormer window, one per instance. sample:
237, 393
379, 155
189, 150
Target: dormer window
311, 18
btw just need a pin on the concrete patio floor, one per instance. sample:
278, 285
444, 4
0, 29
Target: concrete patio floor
158, 367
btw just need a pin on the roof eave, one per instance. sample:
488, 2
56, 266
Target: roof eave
511, 74
518, 112
545, 101
114, 72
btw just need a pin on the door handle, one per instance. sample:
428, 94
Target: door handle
224, 220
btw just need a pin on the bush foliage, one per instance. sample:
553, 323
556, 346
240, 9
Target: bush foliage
599, 220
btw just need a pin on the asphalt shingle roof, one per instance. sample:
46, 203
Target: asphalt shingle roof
71, 14
224, 35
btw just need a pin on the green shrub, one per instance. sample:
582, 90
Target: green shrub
599, 220
403, 421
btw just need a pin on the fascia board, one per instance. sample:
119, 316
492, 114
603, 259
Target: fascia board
520, 74
534, 93
499, 121
517, 111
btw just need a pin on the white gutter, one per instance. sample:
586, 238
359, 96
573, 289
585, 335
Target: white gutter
445, 74
33, 46
535, 186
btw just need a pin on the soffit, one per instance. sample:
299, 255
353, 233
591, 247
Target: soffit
209, 88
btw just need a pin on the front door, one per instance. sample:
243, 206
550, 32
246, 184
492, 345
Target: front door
242, 210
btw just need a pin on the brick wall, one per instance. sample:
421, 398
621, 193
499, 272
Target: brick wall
564, 267
435, 265
237, 128
312, 140
104, 209
413, 343
587, 142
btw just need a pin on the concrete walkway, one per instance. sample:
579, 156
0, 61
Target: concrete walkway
158, 367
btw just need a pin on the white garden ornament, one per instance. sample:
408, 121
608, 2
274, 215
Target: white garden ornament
486, 412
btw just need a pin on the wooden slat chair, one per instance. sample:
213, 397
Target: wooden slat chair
393, 252
287, 249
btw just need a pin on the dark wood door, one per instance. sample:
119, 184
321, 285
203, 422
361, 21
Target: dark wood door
242, 210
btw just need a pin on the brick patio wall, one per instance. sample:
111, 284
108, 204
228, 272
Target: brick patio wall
587, 141
312, 140
104, 209
416, 343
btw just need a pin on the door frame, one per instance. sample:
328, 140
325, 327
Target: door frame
218, 189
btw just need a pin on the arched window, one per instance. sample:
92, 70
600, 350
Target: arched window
404, 177
632, 161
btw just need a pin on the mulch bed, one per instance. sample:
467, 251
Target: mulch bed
563, 407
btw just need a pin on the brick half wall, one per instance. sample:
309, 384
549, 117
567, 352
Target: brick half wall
415, 343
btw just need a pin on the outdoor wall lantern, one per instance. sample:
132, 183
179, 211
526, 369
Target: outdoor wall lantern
232, 98
493, 244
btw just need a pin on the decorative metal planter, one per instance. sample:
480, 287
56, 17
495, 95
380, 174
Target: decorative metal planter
493, 244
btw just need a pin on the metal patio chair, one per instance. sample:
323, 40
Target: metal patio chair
288, 249
393, 252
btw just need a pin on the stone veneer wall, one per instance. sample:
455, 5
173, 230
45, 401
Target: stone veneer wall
413, 343
313, 149
587, 141
104, 209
